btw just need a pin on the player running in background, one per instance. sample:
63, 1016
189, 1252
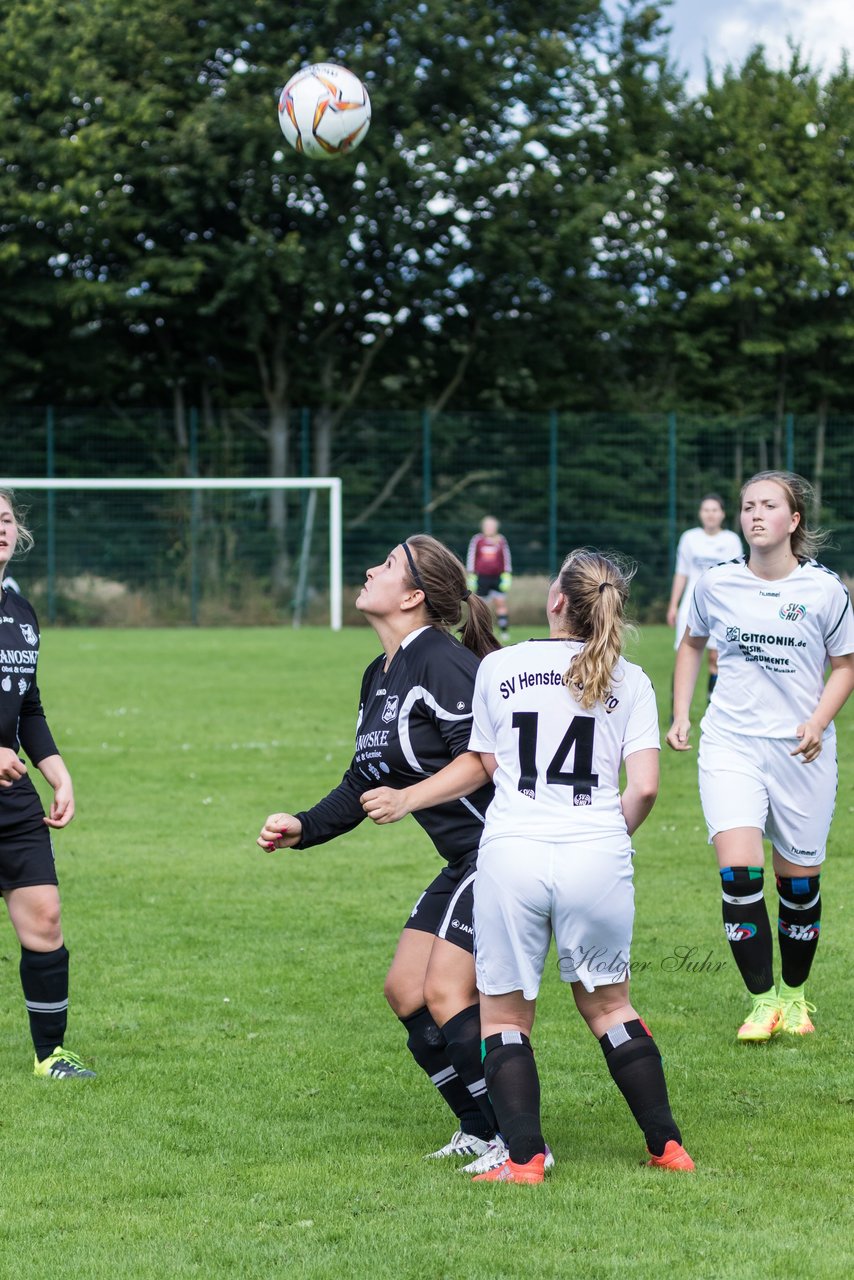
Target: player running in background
490, 570
553, 721
414, 717
27, 871
767, 757
698, 549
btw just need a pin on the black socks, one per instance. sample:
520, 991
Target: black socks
798, 926
747, 928
462, 1045
635, 1065
44, 978
427, 1046
514, 1091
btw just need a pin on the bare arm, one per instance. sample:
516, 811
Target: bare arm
62, 806
636, 801
467, 773
689, 659
680, 581
840, 684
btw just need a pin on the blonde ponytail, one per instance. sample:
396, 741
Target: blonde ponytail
596, 588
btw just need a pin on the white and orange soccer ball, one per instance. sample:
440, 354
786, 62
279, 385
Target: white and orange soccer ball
324, 111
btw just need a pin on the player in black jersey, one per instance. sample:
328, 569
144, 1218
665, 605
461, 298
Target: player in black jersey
27, 872
415, 714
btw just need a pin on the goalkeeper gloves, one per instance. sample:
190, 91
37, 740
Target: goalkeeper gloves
505, 582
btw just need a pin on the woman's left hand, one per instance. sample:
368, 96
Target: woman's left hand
810, 735
62, 808
385, 804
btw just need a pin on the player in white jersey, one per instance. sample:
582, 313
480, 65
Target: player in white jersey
553, 722
768, 745
698, 549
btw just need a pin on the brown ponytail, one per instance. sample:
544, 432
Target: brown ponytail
443, 581
596, 588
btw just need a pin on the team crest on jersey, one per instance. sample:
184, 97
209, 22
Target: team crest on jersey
793, 612
733, 634
390, 708
29, 633
581, 798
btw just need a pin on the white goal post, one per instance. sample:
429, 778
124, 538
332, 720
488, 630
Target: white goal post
310, 484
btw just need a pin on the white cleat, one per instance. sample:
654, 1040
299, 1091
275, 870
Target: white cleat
496, 1154
461, 1144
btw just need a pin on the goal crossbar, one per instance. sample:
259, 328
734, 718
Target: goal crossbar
197, 483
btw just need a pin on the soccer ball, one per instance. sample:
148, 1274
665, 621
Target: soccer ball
324, 111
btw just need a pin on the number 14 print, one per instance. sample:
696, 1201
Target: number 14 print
579, 735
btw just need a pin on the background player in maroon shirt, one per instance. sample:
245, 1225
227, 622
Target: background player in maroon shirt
490, 569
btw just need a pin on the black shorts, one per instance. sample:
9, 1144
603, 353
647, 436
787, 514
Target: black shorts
26, 851
488, 587
446, 907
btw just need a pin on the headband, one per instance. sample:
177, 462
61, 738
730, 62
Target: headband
415, 574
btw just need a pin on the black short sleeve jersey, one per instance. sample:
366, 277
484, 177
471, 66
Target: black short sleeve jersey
22, 718
413, 720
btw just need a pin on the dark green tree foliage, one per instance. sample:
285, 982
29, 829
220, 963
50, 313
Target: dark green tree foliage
756, 284
540, 217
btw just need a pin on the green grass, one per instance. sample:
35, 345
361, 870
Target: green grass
256, 1112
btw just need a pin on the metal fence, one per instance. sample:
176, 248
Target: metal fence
627, 482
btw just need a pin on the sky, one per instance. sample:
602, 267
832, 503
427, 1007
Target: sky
724, 30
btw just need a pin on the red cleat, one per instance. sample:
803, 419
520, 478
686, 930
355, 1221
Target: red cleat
533, 1171
674, 1156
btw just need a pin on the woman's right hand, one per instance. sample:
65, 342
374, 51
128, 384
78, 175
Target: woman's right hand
11, 768
679, 733
280, 831
385, 804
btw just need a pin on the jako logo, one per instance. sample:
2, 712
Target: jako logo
733, 633
800, 932
463, 928
793, 612
739, 932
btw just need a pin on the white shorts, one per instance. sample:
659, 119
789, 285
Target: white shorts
756, 782
526, 889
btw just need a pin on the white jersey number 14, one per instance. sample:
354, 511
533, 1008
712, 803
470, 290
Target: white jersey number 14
579, 735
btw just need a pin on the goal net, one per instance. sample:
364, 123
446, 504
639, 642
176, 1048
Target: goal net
199, 551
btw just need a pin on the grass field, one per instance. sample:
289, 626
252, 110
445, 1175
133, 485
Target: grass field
256, 1112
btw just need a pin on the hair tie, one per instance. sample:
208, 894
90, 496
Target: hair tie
603, 585
415, 574
466, 594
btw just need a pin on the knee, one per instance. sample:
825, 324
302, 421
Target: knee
403, 998
603, 1012
46, 926
444, 999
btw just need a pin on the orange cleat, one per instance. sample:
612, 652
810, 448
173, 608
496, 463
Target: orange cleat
673, 1156
533, 1171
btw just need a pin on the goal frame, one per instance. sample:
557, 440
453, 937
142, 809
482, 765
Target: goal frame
198, 484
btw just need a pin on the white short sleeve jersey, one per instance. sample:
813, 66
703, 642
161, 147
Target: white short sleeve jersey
773, 640
696, 553
558, 775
